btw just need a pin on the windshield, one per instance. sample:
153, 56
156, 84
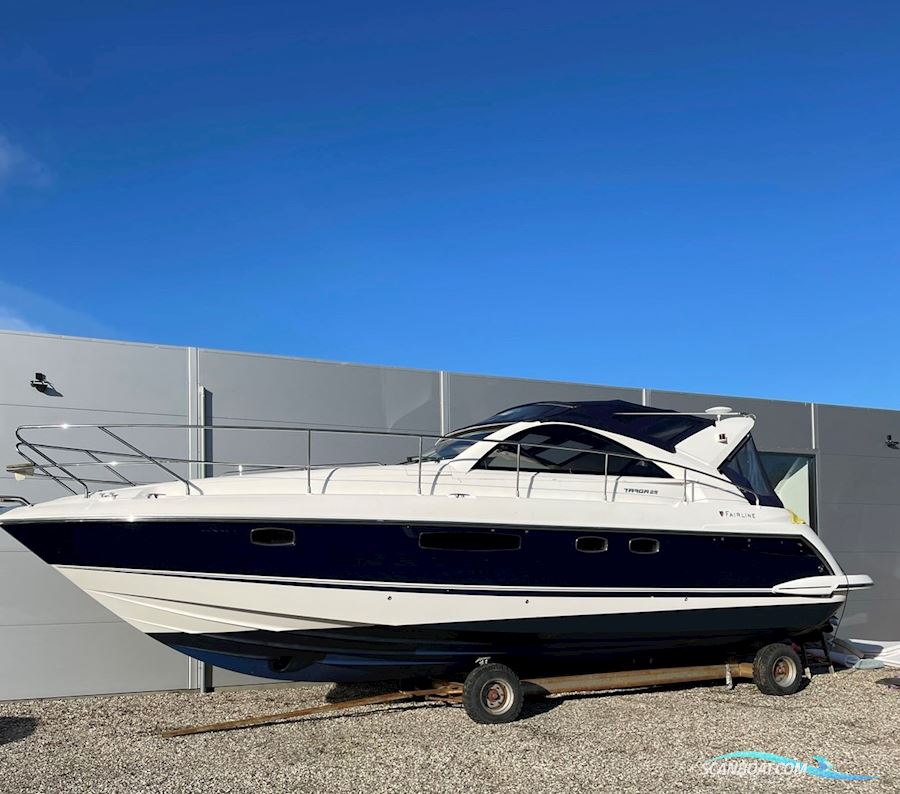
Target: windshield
448, 448
744, 468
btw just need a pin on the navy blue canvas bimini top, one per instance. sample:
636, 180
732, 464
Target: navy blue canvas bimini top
657, 426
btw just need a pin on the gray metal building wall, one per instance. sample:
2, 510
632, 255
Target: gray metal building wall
54, 640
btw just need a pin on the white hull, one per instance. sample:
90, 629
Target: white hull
205, 603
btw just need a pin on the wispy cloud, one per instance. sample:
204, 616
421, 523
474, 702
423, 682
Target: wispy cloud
24, 310
10, 320
18, 167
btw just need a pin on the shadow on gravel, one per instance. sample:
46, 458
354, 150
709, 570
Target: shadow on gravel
538, 706
14, 729
340, 692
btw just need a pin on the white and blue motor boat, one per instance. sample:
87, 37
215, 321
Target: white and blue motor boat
551, 535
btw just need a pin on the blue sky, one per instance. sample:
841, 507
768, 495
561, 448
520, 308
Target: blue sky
698, 196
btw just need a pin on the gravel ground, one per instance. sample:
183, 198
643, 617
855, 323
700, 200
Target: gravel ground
653, 740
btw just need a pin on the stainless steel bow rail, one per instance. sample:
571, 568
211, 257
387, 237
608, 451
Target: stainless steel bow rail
15, 500
40, 461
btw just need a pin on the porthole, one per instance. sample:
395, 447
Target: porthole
591, 544
272, 536
643, 546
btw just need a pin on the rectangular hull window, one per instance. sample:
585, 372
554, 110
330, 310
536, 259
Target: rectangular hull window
469, 541
272, 536
591, 544
643, 546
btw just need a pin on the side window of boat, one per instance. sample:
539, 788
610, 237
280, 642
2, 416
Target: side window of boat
583, 452
272, 536
470, 540
643, 545
591, 544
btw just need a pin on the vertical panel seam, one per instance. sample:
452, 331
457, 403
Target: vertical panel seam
442, 400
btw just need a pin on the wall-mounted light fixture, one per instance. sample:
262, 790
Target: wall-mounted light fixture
891, 442
41, 383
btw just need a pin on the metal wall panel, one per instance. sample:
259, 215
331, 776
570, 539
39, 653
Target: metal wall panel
247, 387
859, 511
780, 426
93, 374
84, 659
860, 528
870, 619
33, 593
7, 542
842, 430
471, 398
859, 479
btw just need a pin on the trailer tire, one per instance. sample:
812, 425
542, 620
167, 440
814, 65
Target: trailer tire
492, 694
777, 670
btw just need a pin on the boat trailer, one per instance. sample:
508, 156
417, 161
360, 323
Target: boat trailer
492, 693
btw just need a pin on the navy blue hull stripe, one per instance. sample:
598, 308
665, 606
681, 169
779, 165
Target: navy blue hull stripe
395, 552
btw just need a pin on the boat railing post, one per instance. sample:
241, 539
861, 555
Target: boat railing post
309, 460
605, 476
685, 483
518, 465
419, 491
150, 459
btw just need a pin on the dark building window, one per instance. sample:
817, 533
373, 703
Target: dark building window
794, 479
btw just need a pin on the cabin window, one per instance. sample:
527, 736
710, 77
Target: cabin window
643, 546
470, 541
272, 536
572, 450
453, 446
591, 544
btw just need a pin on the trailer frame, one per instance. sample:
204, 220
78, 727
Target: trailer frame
451, 692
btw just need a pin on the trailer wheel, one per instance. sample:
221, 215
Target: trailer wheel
492, 694
777, 670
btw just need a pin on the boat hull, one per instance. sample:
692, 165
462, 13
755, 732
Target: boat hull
530, 646
355, 601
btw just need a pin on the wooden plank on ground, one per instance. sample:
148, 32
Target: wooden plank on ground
372, 700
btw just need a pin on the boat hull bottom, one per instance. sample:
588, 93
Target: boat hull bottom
532, 646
